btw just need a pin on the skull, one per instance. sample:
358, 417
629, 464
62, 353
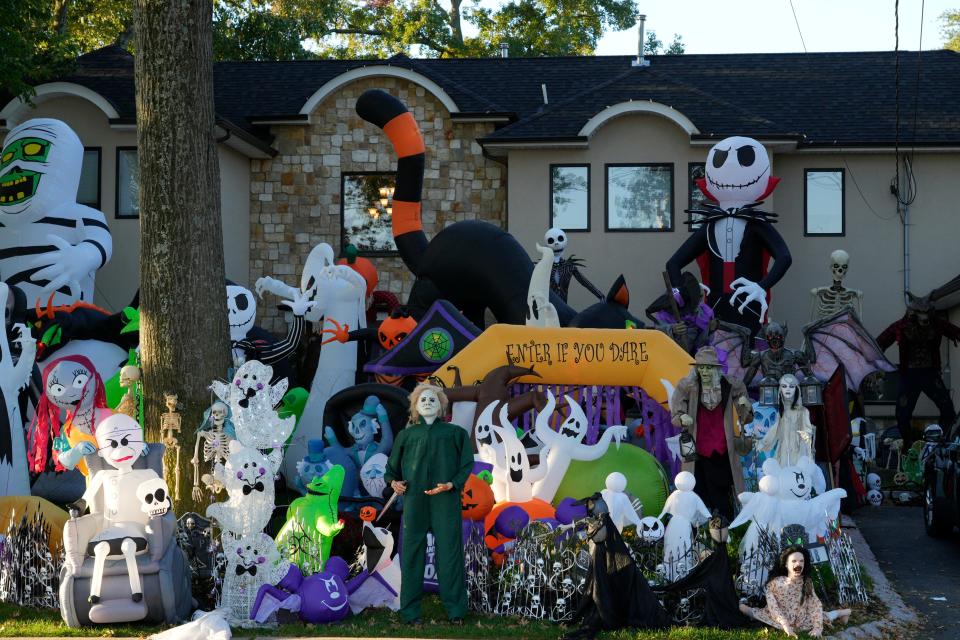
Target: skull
556, 239
154, 497
651, 529
560, 609
218, 414
875, 497
129, 375
241, 311
737, 172
839, 263
873, 481
557, 567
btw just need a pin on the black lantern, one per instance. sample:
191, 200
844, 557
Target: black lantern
769, 391
811, 391
688, 447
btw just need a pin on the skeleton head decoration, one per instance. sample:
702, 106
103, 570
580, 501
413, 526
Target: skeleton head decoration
129, 376
218, 415
555, 239
873, 481
839, 263
154, 497
651, 529
737, 172
875, 497
241, 311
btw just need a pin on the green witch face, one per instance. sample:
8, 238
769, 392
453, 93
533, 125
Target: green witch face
40, 167
19, 185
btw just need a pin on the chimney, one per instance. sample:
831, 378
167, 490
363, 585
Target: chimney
504, 50
640, 62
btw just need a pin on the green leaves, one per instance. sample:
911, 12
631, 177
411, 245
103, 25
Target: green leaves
950, 29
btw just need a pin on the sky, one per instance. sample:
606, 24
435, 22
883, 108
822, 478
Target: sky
768, 26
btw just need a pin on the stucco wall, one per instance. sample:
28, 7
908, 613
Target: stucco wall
295, 197
873, 238
118, 280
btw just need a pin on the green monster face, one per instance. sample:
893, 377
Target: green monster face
328, 484
19, 185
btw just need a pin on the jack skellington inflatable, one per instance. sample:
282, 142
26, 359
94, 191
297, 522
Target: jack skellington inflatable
826, 301
735, 240
565, 268
252, 343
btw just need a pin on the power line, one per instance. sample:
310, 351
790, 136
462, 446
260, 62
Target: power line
798, 26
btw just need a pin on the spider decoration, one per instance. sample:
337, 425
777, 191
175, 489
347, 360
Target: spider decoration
29, 572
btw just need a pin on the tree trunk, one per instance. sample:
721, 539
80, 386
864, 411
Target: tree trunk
184, 338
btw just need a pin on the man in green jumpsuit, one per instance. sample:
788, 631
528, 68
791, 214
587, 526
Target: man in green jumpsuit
430, 463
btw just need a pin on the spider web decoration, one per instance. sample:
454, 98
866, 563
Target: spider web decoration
29, 572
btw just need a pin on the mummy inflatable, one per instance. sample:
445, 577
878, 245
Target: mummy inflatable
50, 244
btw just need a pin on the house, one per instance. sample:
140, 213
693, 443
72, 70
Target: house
608, 147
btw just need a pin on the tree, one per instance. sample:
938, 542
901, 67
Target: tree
654, 46
951, 29
33, 49
184, 338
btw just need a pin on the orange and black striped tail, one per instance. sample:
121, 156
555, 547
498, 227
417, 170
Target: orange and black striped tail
386, 112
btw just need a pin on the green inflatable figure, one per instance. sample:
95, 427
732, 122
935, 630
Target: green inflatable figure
312, 521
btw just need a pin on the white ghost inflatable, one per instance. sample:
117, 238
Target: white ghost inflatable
567, 444
686, 511
513, 466
762, 511
50, 244
540, 312
621, 508
489, 447
796, 505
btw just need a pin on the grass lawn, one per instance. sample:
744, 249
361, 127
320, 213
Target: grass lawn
21, 621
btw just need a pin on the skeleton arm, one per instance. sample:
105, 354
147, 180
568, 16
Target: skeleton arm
586, 284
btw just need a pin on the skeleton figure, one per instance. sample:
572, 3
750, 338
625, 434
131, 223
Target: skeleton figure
15, 372
130, 380
777, 360
170, 423
126, 512
248, 342
826, 301
50, 243
214, 435
564, 269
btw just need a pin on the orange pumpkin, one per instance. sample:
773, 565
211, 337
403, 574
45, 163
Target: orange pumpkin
394, 329
368, 514
476, 499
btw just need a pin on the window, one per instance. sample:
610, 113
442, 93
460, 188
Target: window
639, 197
128, 183
695, 198
570, 197
367, 208
89, 191
823, 202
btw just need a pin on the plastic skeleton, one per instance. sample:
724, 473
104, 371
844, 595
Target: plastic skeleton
170, 423
50, 243
14, 375
129, 380
127, 512
826, 301
567, 444
215, 440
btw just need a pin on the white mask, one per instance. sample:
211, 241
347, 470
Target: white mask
428, 405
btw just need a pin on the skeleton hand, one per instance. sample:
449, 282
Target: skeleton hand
197, 493
752, 292
66, 265
679, 329
686, 420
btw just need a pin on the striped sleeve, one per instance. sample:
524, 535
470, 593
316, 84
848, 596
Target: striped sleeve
273, 353
95, 232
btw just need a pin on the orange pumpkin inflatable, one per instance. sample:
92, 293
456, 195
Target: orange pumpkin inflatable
536, 509
476, 499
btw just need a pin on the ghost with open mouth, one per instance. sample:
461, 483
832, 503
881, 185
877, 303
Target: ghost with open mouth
513, 466
489, 447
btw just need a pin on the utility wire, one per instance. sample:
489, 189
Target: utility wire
798, 26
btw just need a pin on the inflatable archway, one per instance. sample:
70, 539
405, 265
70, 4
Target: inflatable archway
572, 356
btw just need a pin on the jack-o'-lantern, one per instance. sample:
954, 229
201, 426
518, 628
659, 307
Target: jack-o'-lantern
368, 513
394, 329
476, 499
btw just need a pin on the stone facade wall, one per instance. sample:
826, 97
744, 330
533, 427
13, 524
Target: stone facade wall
295, 199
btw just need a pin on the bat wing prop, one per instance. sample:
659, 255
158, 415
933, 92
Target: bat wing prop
733, 340
841, 339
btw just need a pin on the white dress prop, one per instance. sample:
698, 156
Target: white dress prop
339, 296
792, 435
50, 244
567, 444
622, 511
512, 468
252, 399
687, 511
540, 312
14, 376
248, 477
131, 498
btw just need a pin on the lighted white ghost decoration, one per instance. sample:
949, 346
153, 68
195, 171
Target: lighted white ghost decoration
14, 375
154, 497
622, 511
252, 399
252, 561
687, 511
372, 475
540, 312
875, 497
513, 467
796, 505
50, 243
567, 443
650, 529
248, 477
241, 311
556, 240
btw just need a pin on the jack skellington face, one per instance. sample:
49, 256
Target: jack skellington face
651, 529
241, 311
555, 239
839, 263
737, 172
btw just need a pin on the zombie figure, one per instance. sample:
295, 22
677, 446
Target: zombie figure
429, 466
918, 335
564, 269
826, 301
703, 404
776, 361
50, 243
735, 239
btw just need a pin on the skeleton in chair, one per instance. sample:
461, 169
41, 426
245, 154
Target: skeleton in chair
130, 498
826, 301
